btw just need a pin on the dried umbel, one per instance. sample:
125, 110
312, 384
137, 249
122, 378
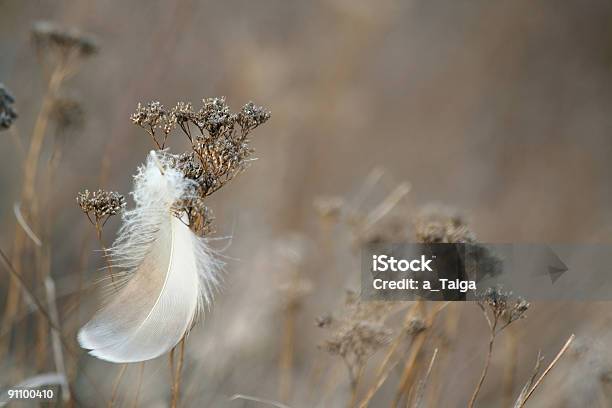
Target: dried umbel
438, 224
359, 334
100, 205
153, 117
48, 36
219, 143
7, 112
355, 343
502, 306
199, 216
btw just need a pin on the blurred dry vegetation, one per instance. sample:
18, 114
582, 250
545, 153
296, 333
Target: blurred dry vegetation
497, 109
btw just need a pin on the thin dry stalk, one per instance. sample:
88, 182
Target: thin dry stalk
58, 355
500, 311
260, 400
116, 384
27, 195
511, 366
409, 368
410, 315
42, 310
139, 384
176, 376
286, 360
355, 380
376, 386
418, 342
530, 382
421, 388
547, 370
383, 370
485, 369
451, 326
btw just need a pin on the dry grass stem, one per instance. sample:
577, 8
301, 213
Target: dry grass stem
547, 370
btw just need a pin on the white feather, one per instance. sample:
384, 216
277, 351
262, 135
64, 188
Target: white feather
171, 273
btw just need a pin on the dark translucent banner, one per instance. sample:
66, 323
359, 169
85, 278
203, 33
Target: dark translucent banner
462, 271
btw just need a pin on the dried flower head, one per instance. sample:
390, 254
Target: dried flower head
100, 205
437, 224
214, 116
359, 334
7, 112
357, 342
251, 116
220, 152
153, 117
48, 36
188, 164
183, 114
199, 215
502, 306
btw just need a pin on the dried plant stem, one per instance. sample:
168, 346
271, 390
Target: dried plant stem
286, 358
418, 342
139, 384
171, 363
421, 387
116, 384
58, 355
511, 366
483, 375
105, 252
388, 204
376, 386
445, 344
176, 375
41, 309
409, 368
398, 340
355, 380
260, 400
43, 253
383, 372
27, 196
547, 370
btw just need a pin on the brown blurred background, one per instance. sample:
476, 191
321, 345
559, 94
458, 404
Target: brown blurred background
497, 108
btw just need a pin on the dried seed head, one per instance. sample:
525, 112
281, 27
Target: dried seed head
502, 305
183, 111
199, 215
219, 151
7, 112
214, 116
356, 343
100, 205
48, 36
149, 116
438, 224
187, 164
360, 333
153, 117
251, 116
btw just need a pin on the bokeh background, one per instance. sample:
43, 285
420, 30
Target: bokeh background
499, 109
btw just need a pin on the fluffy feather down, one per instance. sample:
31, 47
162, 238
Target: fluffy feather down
171, 273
